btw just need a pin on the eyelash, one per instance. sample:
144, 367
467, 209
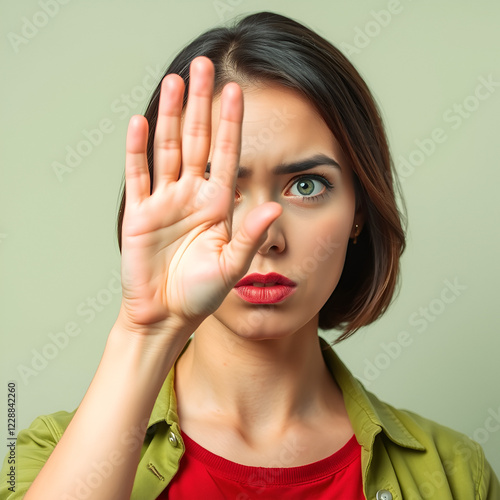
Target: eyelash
308, 199
317, 177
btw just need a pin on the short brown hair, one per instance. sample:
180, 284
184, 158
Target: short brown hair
268, 47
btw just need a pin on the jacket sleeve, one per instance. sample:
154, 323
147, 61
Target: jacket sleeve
489, 486
33, 447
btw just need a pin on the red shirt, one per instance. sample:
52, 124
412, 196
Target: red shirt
205, 475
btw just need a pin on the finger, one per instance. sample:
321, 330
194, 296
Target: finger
136, 163
167, 141
238, 254
227, 147
198, 119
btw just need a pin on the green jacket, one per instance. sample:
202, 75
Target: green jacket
404, 456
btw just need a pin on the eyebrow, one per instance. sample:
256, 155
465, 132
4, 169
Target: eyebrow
290, 168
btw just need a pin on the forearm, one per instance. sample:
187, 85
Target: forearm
117, 404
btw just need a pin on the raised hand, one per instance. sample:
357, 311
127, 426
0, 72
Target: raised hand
179, 257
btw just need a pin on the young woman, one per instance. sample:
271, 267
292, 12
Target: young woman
260, 206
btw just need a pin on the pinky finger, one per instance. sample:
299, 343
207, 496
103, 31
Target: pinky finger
137, 182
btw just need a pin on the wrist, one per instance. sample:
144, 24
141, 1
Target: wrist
167, 331
161, 342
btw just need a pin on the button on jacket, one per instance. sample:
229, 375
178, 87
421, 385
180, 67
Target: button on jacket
403, 455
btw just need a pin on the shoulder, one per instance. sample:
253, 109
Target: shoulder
32, 449
44, 432
438, 438
52, 426
414, 454
448, 459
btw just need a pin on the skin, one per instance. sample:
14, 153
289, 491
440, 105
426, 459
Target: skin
225, 400
184, 247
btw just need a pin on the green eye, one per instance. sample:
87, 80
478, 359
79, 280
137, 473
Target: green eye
307, 186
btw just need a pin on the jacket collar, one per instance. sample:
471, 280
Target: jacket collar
367, 414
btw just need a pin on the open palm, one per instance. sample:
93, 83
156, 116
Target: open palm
179, 258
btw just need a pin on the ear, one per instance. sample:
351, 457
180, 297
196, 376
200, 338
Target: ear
358, 222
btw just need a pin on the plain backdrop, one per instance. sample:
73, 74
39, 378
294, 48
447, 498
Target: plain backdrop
74, 67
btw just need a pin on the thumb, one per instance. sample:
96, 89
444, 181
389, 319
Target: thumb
239, 252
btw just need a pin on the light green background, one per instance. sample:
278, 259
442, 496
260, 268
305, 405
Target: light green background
57, 242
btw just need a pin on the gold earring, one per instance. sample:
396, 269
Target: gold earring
355, 240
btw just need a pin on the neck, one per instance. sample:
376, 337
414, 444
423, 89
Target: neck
265, 383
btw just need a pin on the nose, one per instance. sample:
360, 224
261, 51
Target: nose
253, 195
275, 241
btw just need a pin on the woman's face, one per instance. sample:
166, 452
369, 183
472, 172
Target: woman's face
289, 156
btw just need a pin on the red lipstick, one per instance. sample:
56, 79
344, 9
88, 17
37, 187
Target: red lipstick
265, 288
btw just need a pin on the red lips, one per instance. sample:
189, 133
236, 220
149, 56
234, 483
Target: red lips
274, 278
264, 288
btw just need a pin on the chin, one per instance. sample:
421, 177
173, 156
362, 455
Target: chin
264, 322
